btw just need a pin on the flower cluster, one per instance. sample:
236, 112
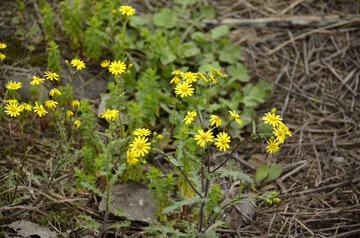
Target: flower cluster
2, 46
279, 130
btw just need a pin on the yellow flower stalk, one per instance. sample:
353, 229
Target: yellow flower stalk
79, 64
189, 117
202, 76
222, 140
140, 146
215, 120
203, 137
51, 76
141, 132
127, 10
117, 67
184, 89
13, 85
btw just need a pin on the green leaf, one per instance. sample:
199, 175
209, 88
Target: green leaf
166, 18
185, 2
198, 36
230, 53
167, 57
239, 71
208, 12
219, 31
274, 172
179, 205
261, 173
236, 175
88, 222
118, 212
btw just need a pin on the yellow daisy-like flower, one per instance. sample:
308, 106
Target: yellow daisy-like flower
77, 123
27, 106
140, 146
189, 117
222, 141
13, 109
75, 103
79, 64
39, 110
105, 63
203, 137
36, 80
273, 146
10, 101
272, 119
69, 113
280, 134
109, 114
236, 117
54, 91
202, 76
50, 104
141, 132
2, 56
176, 72
131, 157
175, 80
127, 10
3, 45
117, 67
51, 76
184, 89
189, 77
13, 85
215, 120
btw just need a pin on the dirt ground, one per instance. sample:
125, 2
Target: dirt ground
315, 68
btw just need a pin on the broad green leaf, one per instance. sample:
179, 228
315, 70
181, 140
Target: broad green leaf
230, 53
185, 2
166, 18
167, 57
238, 71
275, 171
261, 173
208, 12
219, 31
198, 36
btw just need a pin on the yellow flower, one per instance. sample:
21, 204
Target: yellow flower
75, 103
222, 141
69, 113
13, 109
272, 119
189, 117
184, 89
54, 91
140, 146
159, 137
273, 146
280, 134
3, 45
217, 72
105, 63
176, 72
77, 123
39, 110
109, 114
236, 117
2, 56
175, 80
114, 11
213, 79
10, 101
50, 104
27, 106
51, 76
36, 80
189, 77
142, 132
13, 85
215, 120
127, 10
131, 157
203, 137
117, 67
79, 64
202, 76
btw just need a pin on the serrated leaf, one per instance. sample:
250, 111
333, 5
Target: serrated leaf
179, 205
236, 175
165, 18
275, 171
219, 31
261, 173
88, 222
239, 71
